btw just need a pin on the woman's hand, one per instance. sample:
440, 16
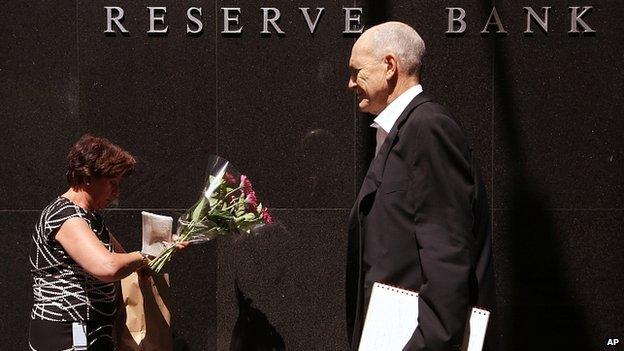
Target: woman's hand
179, 246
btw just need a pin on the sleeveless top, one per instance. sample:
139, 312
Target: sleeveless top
62, 290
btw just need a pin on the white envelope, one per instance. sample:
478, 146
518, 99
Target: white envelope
156, 229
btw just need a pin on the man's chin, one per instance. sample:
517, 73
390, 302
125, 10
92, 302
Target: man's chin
366, 107
363, 106
367, 110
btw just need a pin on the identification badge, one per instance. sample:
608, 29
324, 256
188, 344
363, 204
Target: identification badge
79, 335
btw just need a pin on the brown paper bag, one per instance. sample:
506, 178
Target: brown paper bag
143, 320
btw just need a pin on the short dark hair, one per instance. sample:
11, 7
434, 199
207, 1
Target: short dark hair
93, 156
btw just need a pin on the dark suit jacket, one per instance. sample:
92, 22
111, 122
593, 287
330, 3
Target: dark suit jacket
421, 222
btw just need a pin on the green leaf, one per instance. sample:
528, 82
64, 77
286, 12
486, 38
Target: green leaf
248, 217
199, 209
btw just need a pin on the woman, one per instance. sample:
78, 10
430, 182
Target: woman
75, 260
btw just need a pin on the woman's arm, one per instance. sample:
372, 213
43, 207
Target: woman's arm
87, 250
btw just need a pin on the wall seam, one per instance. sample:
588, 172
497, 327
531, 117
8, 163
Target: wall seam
499, 209
77, 61
493, 113
355, 157
216, 93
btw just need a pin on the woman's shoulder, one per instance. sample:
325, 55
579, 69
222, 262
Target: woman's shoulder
62, 208
54, 215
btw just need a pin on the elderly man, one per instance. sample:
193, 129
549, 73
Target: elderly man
420, 220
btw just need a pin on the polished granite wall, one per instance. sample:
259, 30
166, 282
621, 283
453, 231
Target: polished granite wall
542, 111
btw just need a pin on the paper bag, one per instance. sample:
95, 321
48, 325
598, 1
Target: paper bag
144, 320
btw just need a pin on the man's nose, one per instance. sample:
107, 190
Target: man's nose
351, 84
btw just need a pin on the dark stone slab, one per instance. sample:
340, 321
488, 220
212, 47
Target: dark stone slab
39, 94
290, 282
285, 116
154, 95
560, 273
557, 116
16, 229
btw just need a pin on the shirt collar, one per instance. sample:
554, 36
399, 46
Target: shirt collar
392, 112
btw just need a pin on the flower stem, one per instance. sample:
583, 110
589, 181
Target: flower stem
164, 257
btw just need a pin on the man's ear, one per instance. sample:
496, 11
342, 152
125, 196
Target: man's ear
391, 66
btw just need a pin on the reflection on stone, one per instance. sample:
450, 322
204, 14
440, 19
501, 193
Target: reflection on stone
319, 173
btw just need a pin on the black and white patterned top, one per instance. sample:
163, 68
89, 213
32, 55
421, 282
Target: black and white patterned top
62, 290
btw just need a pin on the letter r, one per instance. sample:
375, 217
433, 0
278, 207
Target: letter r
110, 19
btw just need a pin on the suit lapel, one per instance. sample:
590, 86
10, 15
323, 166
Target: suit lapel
374, 175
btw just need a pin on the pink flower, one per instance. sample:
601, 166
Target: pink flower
251, 201
229, 178
266, 216
246, 185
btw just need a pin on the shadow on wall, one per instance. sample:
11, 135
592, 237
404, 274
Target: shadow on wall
320, 170
252, 331
541, 315
180, 344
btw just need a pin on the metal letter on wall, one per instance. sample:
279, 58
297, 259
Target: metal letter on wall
306, 15
227, 20
494, 16
273, 20
575, 20
352, 20
541, 22
160, 18
110, 19
452, 19
197, 21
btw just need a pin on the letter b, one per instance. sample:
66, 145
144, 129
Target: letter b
452, 19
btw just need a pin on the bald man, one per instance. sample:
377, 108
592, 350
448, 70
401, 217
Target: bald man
421, 219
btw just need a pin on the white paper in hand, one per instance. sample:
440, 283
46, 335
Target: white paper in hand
474, 337
391, 319
156, 229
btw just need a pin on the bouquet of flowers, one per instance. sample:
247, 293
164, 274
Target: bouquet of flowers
228, 205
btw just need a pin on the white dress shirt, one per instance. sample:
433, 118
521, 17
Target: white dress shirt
389, 115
